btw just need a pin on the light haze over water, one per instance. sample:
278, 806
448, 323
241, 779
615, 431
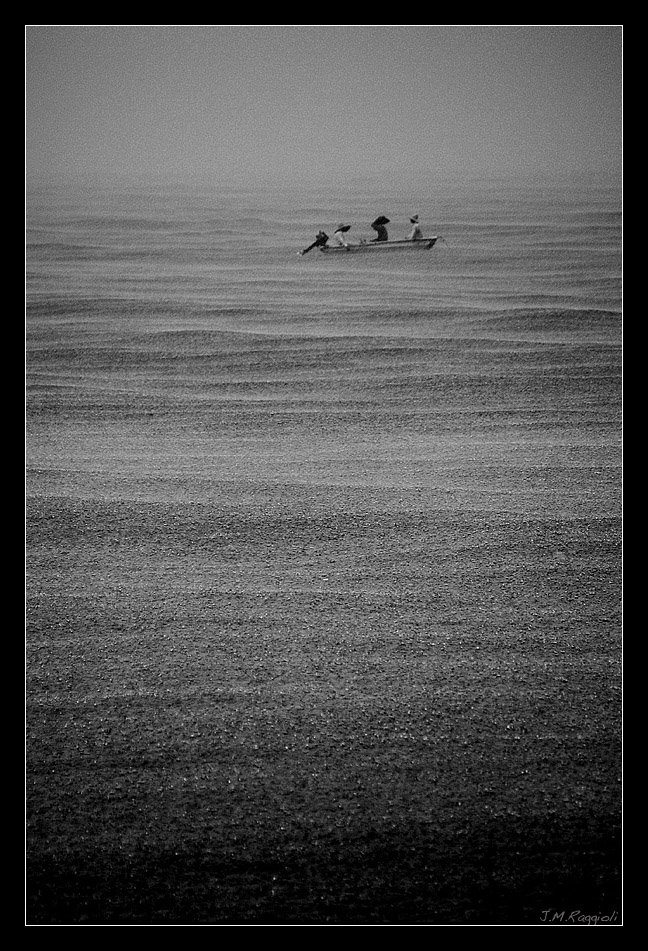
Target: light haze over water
294, 104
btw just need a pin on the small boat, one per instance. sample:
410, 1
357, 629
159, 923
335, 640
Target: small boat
421, 244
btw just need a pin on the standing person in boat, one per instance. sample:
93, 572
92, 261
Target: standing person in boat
415, 234
340, 234
379, 226
320, 240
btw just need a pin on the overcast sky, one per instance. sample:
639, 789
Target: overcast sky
323, 103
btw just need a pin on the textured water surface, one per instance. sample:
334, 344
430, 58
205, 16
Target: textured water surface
323, 558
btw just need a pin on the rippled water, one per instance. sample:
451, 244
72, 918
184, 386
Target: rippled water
147, 305
323, 556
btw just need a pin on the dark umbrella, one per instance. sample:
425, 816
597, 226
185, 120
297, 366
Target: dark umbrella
380, 221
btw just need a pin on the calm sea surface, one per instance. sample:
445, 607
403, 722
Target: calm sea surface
323, 556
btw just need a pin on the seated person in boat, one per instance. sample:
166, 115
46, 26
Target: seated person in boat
340, 234
415, 234
320, 240
379, 226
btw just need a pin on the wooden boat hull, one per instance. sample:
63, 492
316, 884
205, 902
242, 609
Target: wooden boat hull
422, 244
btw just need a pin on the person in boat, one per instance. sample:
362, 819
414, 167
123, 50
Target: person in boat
415, 234
340, 234
379, 227
320, 240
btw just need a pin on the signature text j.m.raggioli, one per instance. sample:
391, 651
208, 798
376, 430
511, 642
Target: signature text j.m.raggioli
550, 916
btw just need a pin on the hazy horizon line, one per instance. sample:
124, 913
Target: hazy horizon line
584, 177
